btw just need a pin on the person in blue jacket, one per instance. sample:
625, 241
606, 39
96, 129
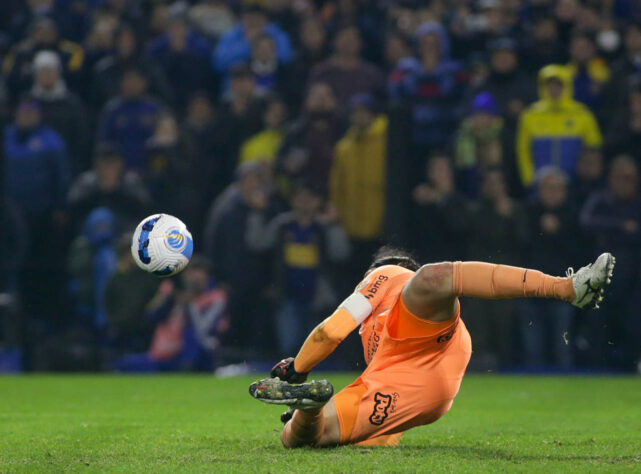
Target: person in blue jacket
129, 120
235, 45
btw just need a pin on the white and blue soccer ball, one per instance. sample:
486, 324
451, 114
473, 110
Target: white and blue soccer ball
162, 245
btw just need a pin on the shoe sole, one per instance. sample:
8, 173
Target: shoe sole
274, 391
609, 266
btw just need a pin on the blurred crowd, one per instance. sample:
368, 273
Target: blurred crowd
295, 137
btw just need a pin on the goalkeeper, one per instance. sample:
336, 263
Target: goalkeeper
415, 343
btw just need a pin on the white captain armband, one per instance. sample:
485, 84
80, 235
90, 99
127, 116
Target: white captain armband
357, 306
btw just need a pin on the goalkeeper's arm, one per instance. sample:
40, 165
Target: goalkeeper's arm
324, 338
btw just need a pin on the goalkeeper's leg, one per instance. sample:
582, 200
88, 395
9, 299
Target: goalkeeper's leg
313, 419
433, 291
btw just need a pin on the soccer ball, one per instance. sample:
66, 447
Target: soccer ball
162, 245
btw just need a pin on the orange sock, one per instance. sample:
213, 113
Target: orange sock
304, 429
487, 280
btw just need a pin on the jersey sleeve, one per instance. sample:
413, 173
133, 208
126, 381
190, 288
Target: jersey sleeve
348, 316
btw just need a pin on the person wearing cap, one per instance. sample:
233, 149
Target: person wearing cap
358, 178
478, 142
235, 45
61, 109
555, 129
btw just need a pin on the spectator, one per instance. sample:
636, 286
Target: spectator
624, 128
543, 45
264, 145
545, 324
360, 161
37, 166
107, 73
590, 72
345, 72
589, 176
240, 117
43, 36
109, 185
181, 53
312, 50
510, 86
554, 129
172, 172
99, 43
92, 260
235, 45
213, 18
238, 268
439, 221
433, 85
270, 75
127, 294
203, 136
613, 217
37, 175
478, 142
61, 109
499, 232
626, 71
190, 317
129, 119
305, 243
396, 49
308, 146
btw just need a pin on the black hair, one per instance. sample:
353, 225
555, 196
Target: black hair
388, 255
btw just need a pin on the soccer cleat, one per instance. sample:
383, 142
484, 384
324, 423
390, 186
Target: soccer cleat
304, 396
589, 281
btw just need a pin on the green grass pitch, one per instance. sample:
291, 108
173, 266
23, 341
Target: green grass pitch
204, 424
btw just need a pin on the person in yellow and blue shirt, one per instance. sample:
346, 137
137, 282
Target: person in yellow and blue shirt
304, 241
554, 130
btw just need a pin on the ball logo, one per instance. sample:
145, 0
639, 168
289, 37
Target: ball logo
175, 240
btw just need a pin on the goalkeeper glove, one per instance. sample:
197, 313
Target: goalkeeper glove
285, 370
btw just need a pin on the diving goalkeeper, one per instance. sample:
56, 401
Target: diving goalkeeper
415, 343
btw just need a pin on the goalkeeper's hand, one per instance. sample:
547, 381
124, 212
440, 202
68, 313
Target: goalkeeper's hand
285, 370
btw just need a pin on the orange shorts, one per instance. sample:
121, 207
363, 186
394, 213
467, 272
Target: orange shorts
409, 381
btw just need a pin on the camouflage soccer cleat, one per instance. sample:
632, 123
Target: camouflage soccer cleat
589, 281
312, 394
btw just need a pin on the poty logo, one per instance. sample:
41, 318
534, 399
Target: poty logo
376, 286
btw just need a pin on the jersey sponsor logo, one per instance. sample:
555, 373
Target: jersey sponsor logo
382, 403
372, 290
